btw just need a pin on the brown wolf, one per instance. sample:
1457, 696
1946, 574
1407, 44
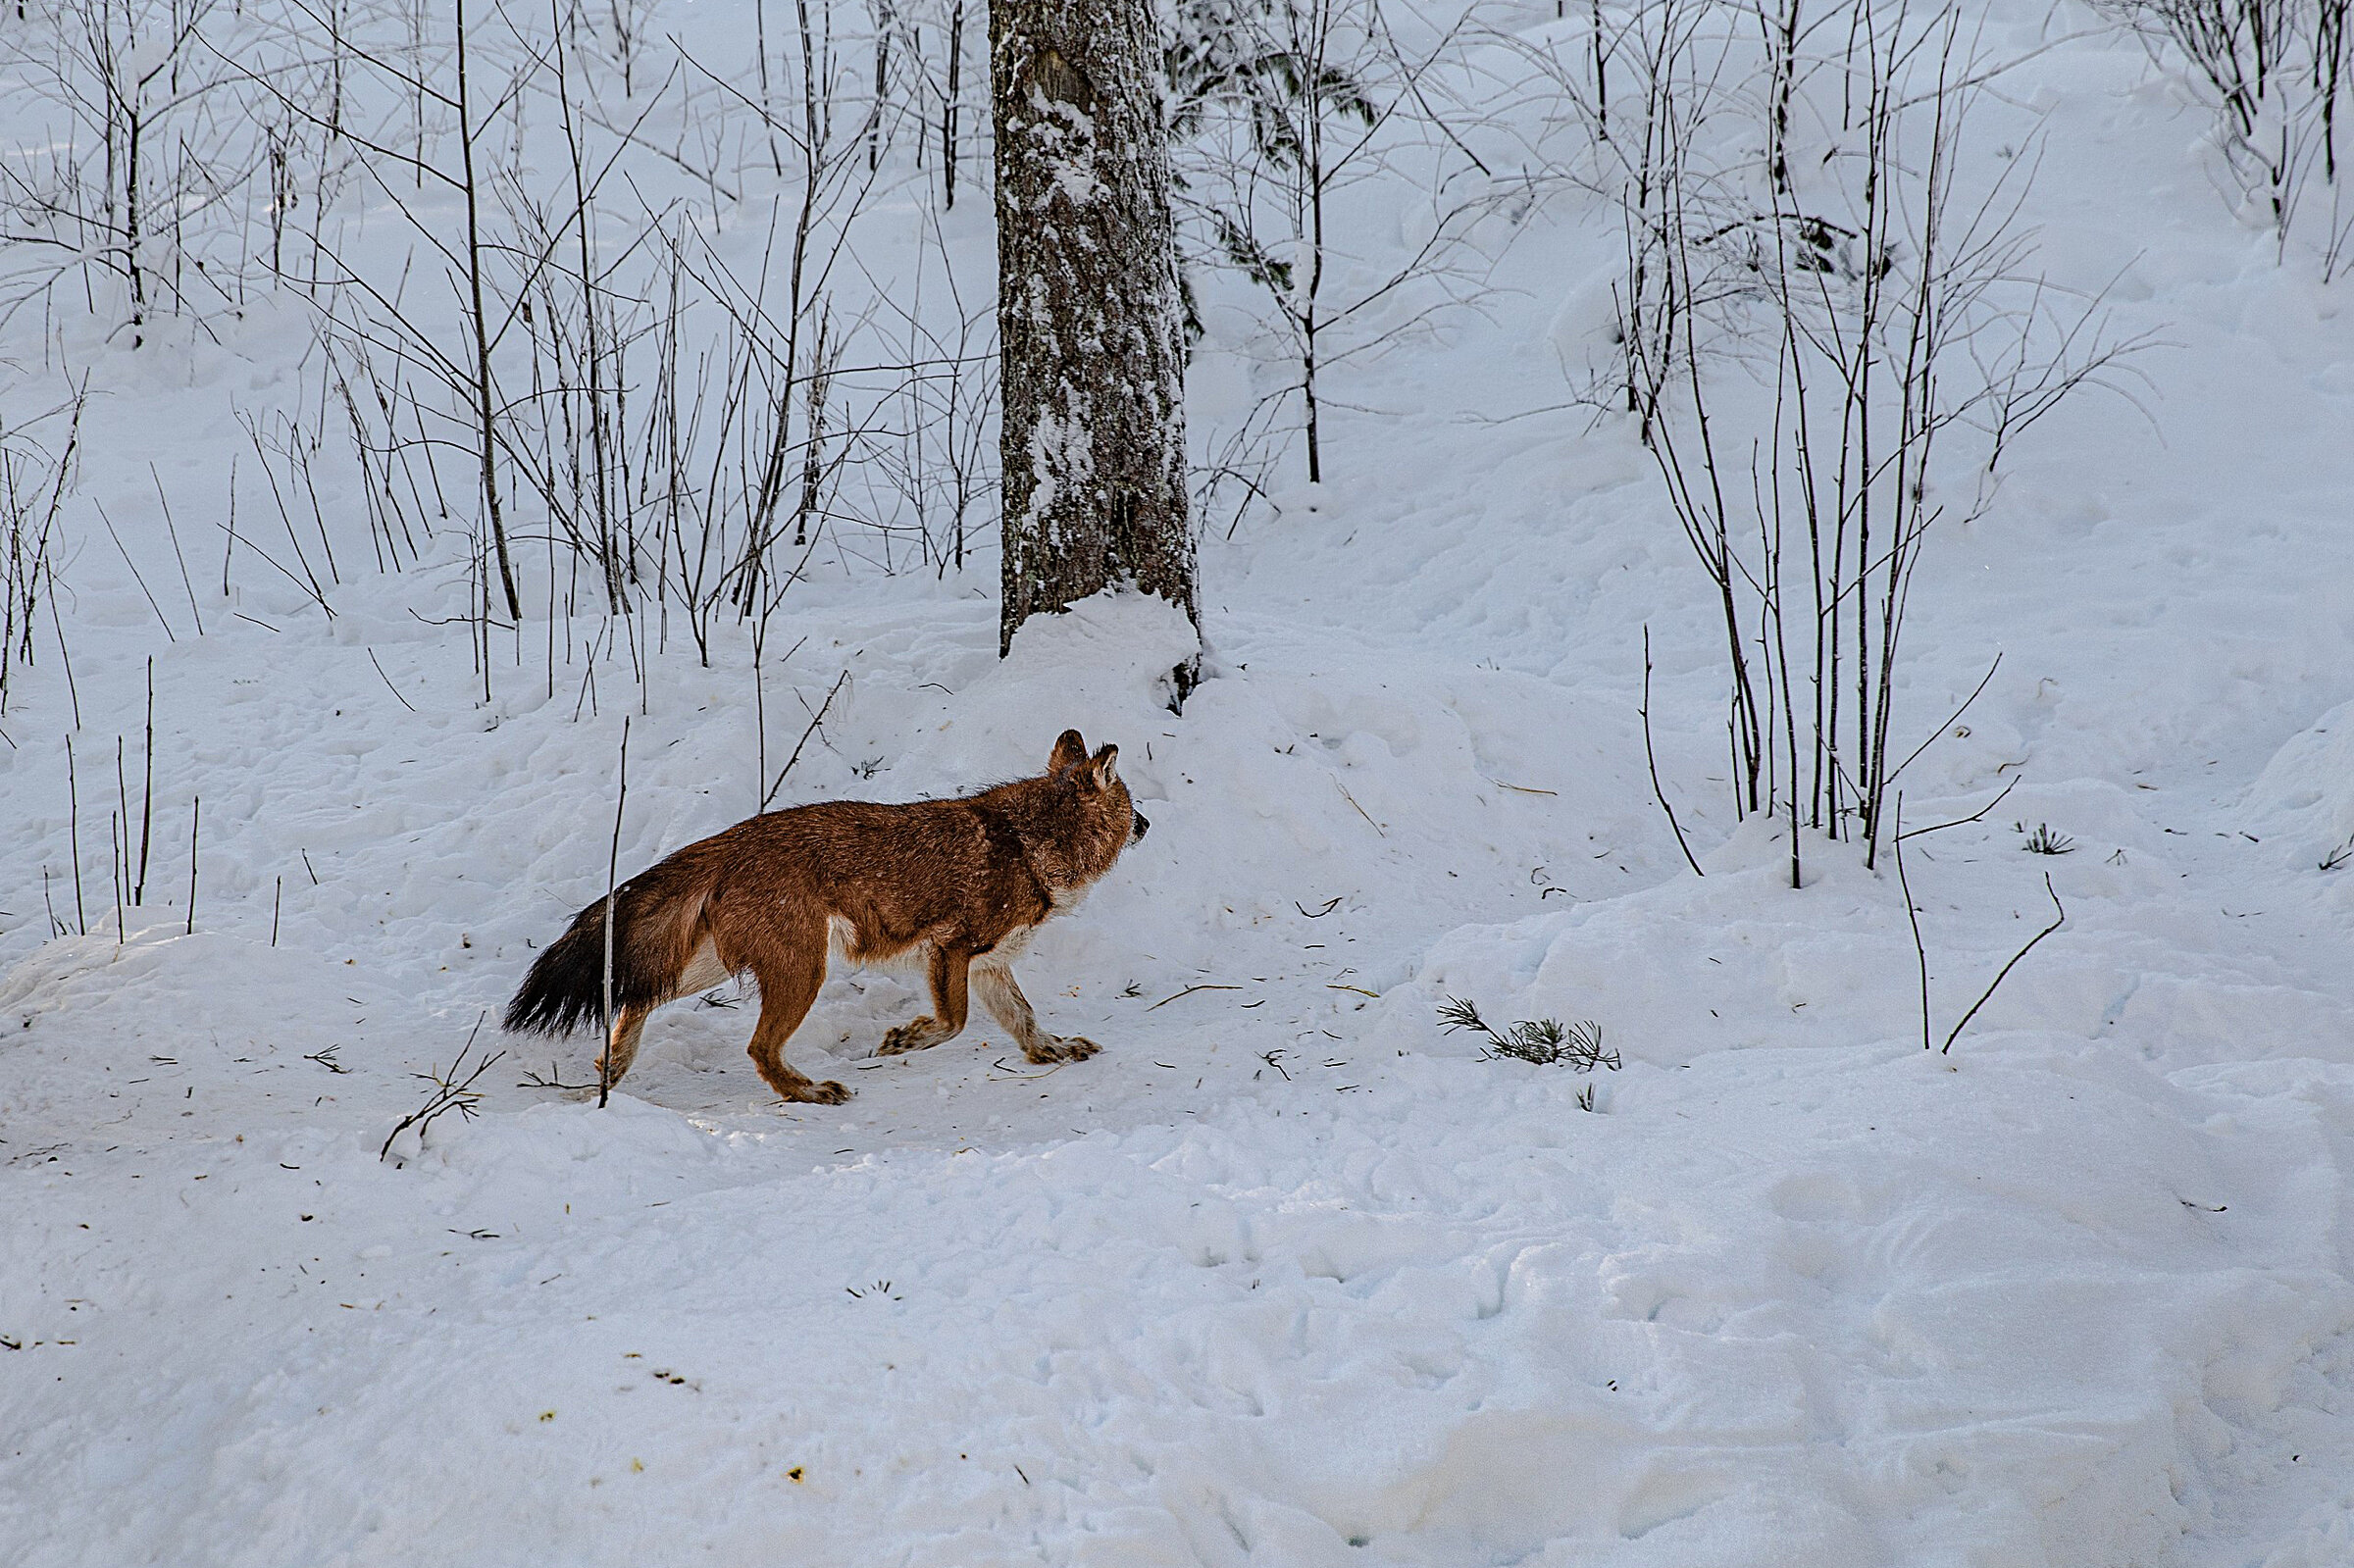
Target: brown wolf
961, 884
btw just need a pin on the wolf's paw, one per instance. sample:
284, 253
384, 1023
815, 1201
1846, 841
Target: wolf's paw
914, 1036
829, 1092
1061, 1048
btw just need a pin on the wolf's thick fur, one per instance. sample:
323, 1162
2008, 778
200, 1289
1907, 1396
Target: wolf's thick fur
959, 882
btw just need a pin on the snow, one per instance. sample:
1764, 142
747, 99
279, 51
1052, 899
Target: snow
1287, 1275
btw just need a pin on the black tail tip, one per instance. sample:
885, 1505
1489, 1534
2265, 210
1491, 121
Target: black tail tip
564, 989
524, 1018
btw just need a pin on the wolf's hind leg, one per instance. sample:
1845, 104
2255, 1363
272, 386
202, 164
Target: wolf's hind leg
950, 968
621, 1048
993, 984
703, 971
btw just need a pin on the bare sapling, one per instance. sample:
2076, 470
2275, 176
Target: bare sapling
789, 355
1651, 95
449, 90
2276, 76
33, 490
929, 462
158, 151
1279, 110
569, 361
568, 436
478, 324
1894, 339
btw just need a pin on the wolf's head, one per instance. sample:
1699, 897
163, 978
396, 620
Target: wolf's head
1106, 820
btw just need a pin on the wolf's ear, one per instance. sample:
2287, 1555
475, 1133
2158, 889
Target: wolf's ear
1105, 770
1069, 750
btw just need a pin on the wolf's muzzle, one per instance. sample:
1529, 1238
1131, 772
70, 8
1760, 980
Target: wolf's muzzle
1139, 828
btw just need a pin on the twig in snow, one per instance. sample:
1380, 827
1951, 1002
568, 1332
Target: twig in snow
160, 618
388, 681
1188, 991
122, 847
1361, 811
2059, 920
195, 813
816, 718
1951, 719
147, 799
1904, 887
621, 799
82, 920
532, 1079
1959, 821
1658, 794
65, 655
450, 1092
172, 529
1013, 1073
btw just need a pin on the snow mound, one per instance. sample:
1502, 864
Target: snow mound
1103, 667
2306, 792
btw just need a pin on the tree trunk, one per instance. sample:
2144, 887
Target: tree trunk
1093, 437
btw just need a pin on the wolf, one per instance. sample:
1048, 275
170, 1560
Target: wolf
959, 885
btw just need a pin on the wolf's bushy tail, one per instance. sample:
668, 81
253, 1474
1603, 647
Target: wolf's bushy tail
654, 936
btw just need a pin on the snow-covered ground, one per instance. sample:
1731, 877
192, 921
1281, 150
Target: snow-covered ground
1287, 1276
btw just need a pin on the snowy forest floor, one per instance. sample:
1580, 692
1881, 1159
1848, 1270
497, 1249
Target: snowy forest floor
1287, 1275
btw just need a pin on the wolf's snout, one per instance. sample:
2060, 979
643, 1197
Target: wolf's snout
1139, 828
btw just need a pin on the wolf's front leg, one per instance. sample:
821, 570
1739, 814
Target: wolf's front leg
993, 984
789, 974
949, 968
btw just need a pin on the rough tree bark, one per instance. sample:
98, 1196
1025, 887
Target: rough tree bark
1093, 364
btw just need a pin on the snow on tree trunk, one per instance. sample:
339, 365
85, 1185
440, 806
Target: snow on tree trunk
1093, 438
